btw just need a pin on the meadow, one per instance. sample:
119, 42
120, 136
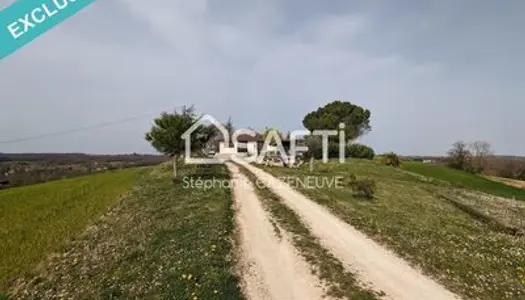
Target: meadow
408, 215
465, 180
40, 218
162, 241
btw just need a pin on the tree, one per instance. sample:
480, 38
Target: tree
481, 151
460, 157
166, 133
231, 130
355, 118
315, 148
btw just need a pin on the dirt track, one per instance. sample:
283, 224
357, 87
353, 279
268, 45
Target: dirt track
271, 267
372, 263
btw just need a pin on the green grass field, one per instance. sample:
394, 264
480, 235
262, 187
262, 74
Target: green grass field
164, 240
39, 218
407, 215
465, 180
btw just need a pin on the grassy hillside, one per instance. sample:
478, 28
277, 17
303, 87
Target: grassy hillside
407, 215
162, 241
465, 180
40, 218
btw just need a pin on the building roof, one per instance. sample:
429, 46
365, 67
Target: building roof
248, 138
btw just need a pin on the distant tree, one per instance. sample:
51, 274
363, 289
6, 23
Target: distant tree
328, 117
506, 169
520, 174
165, 134
229, 127
460, 157
481, 151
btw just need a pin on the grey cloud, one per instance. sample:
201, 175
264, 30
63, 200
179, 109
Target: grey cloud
430, 72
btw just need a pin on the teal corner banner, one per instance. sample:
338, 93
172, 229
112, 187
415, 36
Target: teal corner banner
25, 20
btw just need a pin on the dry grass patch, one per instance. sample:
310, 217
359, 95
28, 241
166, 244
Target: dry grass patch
507, 211
512, 182
408, 216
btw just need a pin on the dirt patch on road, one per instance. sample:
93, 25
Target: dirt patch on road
271, 267
512, 182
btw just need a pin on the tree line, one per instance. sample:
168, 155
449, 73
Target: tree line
470, 157
478, 158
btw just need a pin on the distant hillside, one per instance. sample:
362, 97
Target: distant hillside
18, 169
71, 157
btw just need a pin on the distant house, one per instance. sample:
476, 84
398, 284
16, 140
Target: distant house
245, 143
252, 145
428, 161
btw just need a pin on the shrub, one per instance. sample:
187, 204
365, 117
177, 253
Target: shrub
360, 151
364, 188
520, 175
315, 149
391, 159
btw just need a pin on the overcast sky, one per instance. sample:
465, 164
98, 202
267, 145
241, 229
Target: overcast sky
431, 72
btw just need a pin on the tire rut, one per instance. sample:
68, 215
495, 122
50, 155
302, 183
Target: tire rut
372, 263
270, 266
